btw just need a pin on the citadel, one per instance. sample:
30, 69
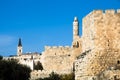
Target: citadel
93, 56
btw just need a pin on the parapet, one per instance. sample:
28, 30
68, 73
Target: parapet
50, 47
56, 47
99, 13
108, 11
47, 47
118, 10
112, 11
67, 46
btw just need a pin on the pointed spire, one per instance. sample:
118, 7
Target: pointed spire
19, 43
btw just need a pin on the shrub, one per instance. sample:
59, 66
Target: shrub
38, 66
11, 70
54, 76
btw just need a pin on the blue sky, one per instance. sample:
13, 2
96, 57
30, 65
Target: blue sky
43, 22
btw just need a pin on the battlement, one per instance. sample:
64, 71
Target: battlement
108, 11
56, 50
57, 47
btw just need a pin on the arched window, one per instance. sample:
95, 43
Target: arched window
77, 44
118, 62
20, 50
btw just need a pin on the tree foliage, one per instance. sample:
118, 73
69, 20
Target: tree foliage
68, 77
38, 66
54, 76
1, 57
11, 70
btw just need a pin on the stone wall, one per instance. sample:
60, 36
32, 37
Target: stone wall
57, 59
100, 28
100, 44
112, 73
36, 74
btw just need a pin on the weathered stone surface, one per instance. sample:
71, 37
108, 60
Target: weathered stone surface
100, 44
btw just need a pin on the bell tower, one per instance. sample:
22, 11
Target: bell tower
19, 47
75, 28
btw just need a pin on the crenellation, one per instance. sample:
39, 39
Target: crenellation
57, 47
98, 12
47, 47
54, 47
118, 10
112, 11
67, 46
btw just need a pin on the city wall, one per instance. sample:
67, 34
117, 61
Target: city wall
100, 44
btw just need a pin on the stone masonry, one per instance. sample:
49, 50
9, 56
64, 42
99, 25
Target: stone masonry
93, 56
58, 59
100, 44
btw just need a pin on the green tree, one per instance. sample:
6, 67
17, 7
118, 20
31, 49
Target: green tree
54, 76
38, 66
68, 77
11, 70
1, 57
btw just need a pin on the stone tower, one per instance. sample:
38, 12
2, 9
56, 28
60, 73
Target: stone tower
75, 28
76, 38
76, 44
19, 48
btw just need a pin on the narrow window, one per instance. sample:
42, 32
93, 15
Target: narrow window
118, 62
19, 50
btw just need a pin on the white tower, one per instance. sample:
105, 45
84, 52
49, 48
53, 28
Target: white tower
19, 48
75, 28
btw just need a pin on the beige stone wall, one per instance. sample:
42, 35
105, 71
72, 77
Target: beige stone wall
100, 28
57, 59
76, 47
88, 32
60, 59
100, 43
36, 74
112, 73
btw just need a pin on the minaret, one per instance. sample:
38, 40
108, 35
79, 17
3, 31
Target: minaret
19, 48
75, 28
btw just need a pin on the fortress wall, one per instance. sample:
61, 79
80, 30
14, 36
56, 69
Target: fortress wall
56, 50
88, 32
110, 74
104, 43
95, 62
39, 74
29, 63
107, 29
54, 58
76, 47
59, 64
100, 28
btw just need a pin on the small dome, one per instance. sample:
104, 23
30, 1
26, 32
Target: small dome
75, 19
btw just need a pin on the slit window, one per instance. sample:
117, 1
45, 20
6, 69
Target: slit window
118, 62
